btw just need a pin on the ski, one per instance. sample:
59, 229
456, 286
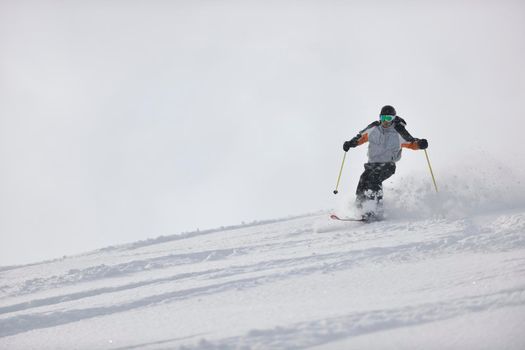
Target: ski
335, 217
367, 219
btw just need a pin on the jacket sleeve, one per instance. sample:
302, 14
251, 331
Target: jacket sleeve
399, 125
362, 137
409, 141
412, 145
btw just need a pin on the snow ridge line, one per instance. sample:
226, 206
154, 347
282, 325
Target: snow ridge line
185, 235
172, 237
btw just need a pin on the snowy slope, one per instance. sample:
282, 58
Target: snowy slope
455, 279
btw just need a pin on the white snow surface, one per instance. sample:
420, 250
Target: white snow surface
443, 271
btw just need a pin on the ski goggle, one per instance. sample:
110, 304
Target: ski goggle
387, 118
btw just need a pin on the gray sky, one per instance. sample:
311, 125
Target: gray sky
125, 120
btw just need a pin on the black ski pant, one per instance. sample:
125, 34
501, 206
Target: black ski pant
370, 185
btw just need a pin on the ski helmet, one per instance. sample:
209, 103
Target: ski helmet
388, 110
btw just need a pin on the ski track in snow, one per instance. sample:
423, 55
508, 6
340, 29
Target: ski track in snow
95, 288
317, 332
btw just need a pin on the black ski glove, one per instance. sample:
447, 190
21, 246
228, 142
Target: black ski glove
351, 144
423, 144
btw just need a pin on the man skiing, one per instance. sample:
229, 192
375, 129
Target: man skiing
385, 139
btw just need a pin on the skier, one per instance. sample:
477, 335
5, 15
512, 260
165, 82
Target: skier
385, 139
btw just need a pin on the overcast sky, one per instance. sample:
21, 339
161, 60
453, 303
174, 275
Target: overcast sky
126, 120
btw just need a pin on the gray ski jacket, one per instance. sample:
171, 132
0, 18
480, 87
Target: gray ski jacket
385, 144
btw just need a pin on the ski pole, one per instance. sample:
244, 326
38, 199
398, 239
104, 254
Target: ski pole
431, 172
339, 177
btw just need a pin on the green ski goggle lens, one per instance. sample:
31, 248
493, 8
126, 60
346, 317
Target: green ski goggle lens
387, 118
